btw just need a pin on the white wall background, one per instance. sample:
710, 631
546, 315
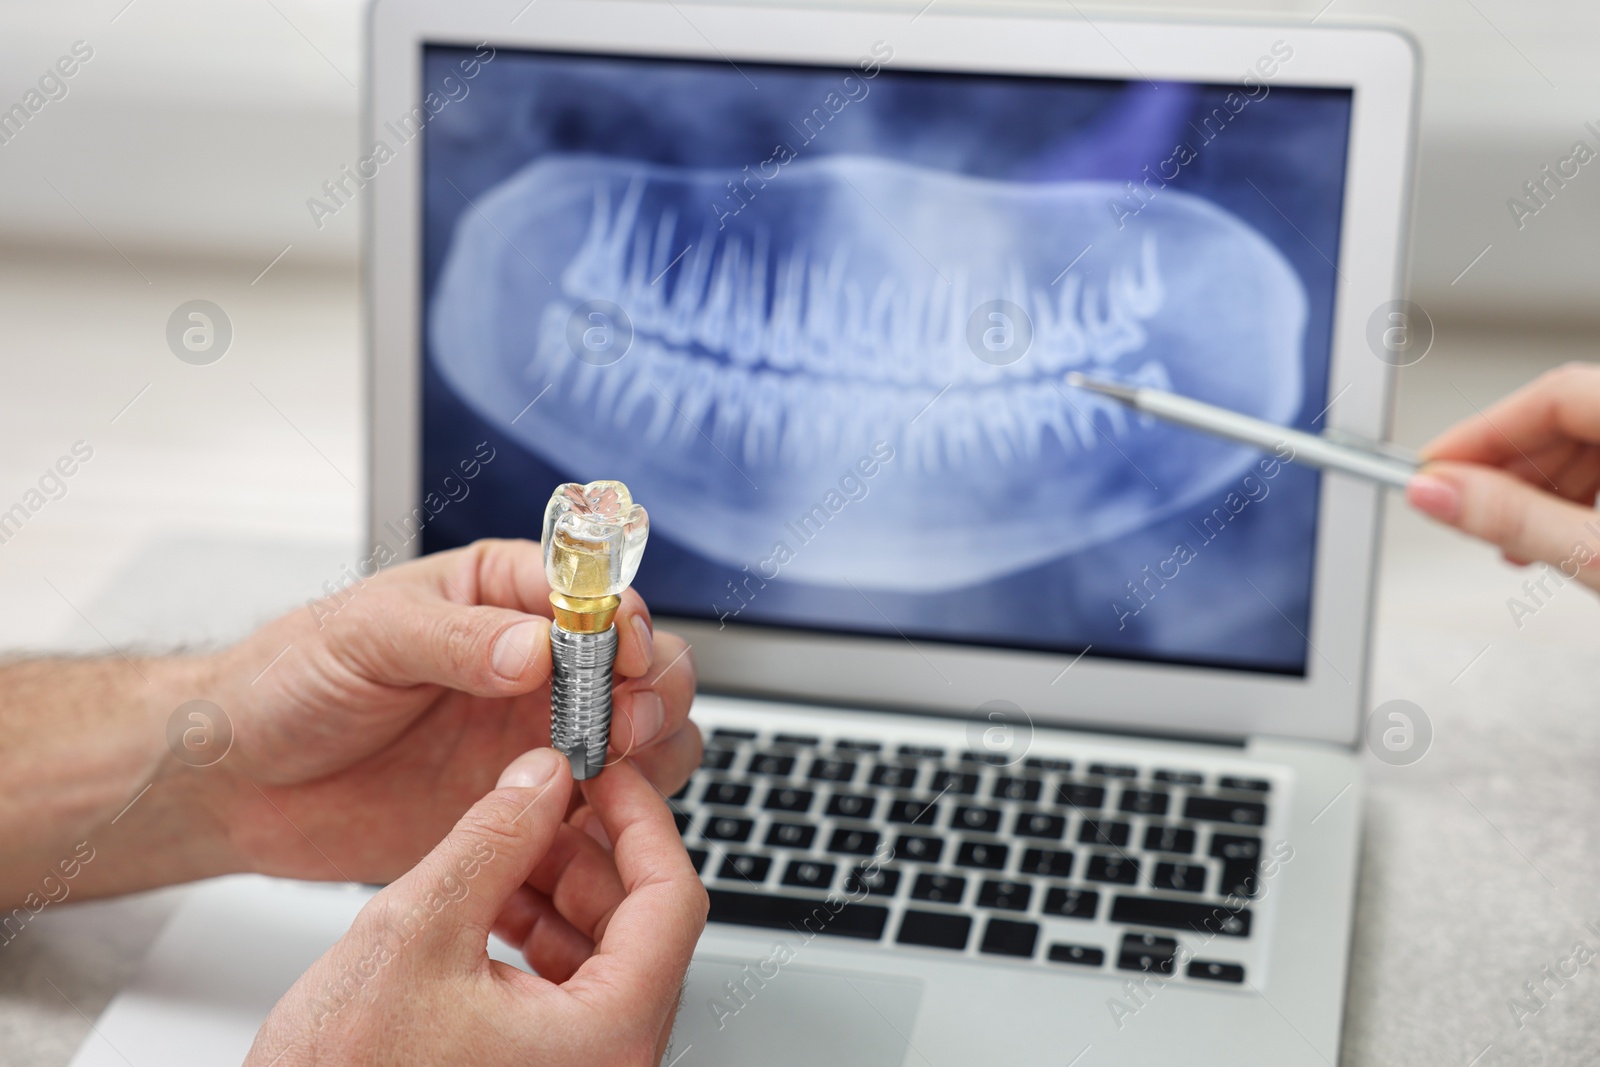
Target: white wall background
200, 127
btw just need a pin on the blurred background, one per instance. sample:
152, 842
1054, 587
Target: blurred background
179, 161
199, 129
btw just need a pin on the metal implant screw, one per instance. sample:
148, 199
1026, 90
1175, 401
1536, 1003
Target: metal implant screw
580, 697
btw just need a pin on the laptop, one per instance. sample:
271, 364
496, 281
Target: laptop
1031, 726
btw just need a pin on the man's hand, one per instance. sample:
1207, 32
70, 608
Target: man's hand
609, 931
358, 749
361, 730
1524, 474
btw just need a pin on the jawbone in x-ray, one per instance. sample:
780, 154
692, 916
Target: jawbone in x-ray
746, 343
832, 314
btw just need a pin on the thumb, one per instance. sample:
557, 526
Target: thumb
401, 636
1527, 523
451, 899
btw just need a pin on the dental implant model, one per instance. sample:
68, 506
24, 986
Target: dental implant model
594, 536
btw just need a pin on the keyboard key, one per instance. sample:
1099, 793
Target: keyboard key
795, 835
1006, 937
729, 794
874, 881
797, 740
1104, 832
1240, 856
697, 856
1046, 763
1086, 797
853, 842
831, 770
727, 828
1107, 868
1235, 847
1143, 802
717, 759
851, 806
1006, 896
981, 854
920, 752
1239, 879
959, 783
850, 744
1026, 789
792, 800
1216, 809
1181, 915
1039, 824
1147, 952
1179, 777
914, 812
1083, 955
939, 888
1113, 770
723, 733
891, 776
772, 912
1179, 877
743, 868
1249, 785
977, 820
1169, 839
1049, 862
681, 819
935, 930
809, 874
1071, 903
1216, 972
918, 849
769, 763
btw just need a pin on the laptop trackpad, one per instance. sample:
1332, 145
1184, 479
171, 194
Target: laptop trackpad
778, 1014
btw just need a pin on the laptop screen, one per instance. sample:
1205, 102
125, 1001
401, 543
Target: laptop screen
819, 320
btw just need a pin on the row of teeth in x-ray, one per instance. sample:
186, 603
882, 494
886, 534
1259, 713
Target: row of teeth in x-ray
764, 416
714, 293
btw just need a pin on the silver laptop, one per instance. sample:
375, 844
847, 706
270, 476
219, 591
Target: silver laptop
1030, 726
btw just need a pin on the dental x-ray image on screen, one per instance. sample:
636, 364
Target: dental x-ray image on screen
819, 321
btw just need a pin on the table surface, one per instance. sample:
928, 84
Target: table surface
226, 494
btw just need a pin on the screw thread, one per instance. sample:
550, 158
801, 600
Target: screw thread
580, 697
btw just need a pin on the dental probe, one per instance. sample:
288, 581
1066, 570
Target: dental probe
1331, 450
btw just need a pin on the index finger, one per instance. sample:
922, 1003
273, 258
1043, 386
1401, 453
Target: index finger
1561, 405
647, 943
510, 574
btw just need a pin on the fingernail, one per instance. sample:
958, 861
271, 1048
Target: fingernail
1434, 496
514, 650
531, 769
647, 640
648, 716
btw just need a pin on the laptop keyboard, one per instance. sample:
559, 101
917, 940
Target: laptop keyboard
1060, 861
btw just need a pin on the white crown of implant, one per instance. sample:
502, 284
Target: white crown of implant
594, 537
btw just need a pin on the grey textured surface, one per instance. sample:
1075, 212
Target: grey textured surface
64, 968
1480, 866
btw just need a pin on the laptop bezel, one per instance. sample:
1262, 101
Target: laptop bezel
1378, 64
